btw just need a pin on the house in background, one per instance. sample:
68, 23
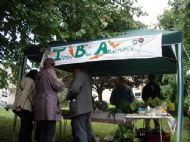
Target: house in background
7, 95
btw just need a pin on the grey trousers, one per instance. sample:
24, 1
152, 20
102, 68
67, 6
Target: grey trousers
81, 128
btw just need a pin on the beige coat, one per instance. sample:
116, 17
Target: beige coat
25, 94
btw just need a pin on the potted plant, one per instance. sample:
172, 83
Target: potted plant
154, 102
125, 133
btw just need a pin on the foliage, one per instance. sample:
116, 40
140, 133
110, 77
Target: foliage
101, 105
108, 82
132, 107
186, 25
62, 98
136, 105
39, 22
4, 75
154, 102
102, 83
177, 18
23, 23
31, 21
168, 87
84, 20
170, 105
101, 129
125, 107
124, 131
186, 103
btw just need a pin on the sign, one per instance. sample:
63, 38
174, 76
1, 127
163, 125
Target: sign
110, 49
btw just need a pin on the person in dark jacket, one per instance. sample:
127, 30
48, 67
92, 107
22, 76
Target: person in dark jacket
151, 90
46, 103
81, 106
121, 93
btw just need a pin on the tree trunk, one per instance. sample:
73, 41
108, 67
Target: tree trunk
100, 95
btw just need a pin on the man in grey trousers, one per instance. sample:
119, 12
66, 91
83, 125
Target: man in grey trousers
81, 106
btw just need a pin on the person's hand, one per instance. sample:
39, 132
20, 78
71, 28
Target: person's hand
18, 109
188, 112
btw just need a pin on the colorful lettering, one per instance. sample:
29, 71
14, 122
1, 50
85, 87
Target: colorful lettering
58, 51
103, 48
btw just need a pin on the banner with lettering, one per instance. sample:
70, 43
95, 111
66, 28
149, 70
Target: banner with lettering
148, 46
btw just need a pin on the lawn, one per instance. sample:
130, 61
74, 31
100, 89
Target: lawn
101, 129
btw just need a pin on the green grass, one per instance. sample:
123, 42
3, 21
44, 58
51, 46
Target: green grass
101, 129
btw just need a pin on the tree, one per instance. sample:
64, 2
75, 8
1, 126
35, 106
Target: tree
108, 82
84, 20
186, 25
102, 83
176, 18
26, 22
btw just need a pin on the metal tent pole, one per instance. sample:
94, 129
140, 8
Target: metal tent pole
21, 73
180, 93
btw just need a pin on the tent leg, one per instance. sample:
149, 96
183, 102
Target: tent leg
180, 94
21, 72
14, 128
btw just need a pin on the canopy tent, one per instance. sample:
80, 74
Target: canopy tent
165, 64
169, 61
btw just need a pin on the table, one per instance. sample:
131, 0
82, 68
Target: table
102, 116
97, 116
136, 116
118, 118
108, 117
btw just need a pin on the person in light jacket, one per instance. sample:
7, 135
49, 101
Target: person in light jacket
46, 104
80, 98
23, 103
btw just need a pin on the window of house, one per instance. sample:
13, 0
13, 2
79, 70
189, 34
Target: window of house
4, 94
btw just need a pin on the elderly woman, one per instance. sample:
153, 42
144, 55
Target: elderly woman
46, 104
23, 103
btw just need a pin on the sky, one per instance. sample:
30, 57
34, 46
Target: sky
153, 8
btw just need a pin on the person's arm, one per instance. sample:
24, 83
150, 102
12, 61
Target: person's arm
76, 86
158, 92
112, 98
26, 87
55, 83
144, 97
132, 97
188, 111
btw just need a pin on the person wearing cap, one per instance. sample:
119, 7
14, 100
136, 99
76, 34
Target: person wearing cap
151, 90
81, 105
46, 103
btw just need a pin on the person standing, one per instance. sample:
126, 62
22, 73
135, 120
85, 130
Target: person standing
46, 104
23, 103
151, 90
81, 106
121, 93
